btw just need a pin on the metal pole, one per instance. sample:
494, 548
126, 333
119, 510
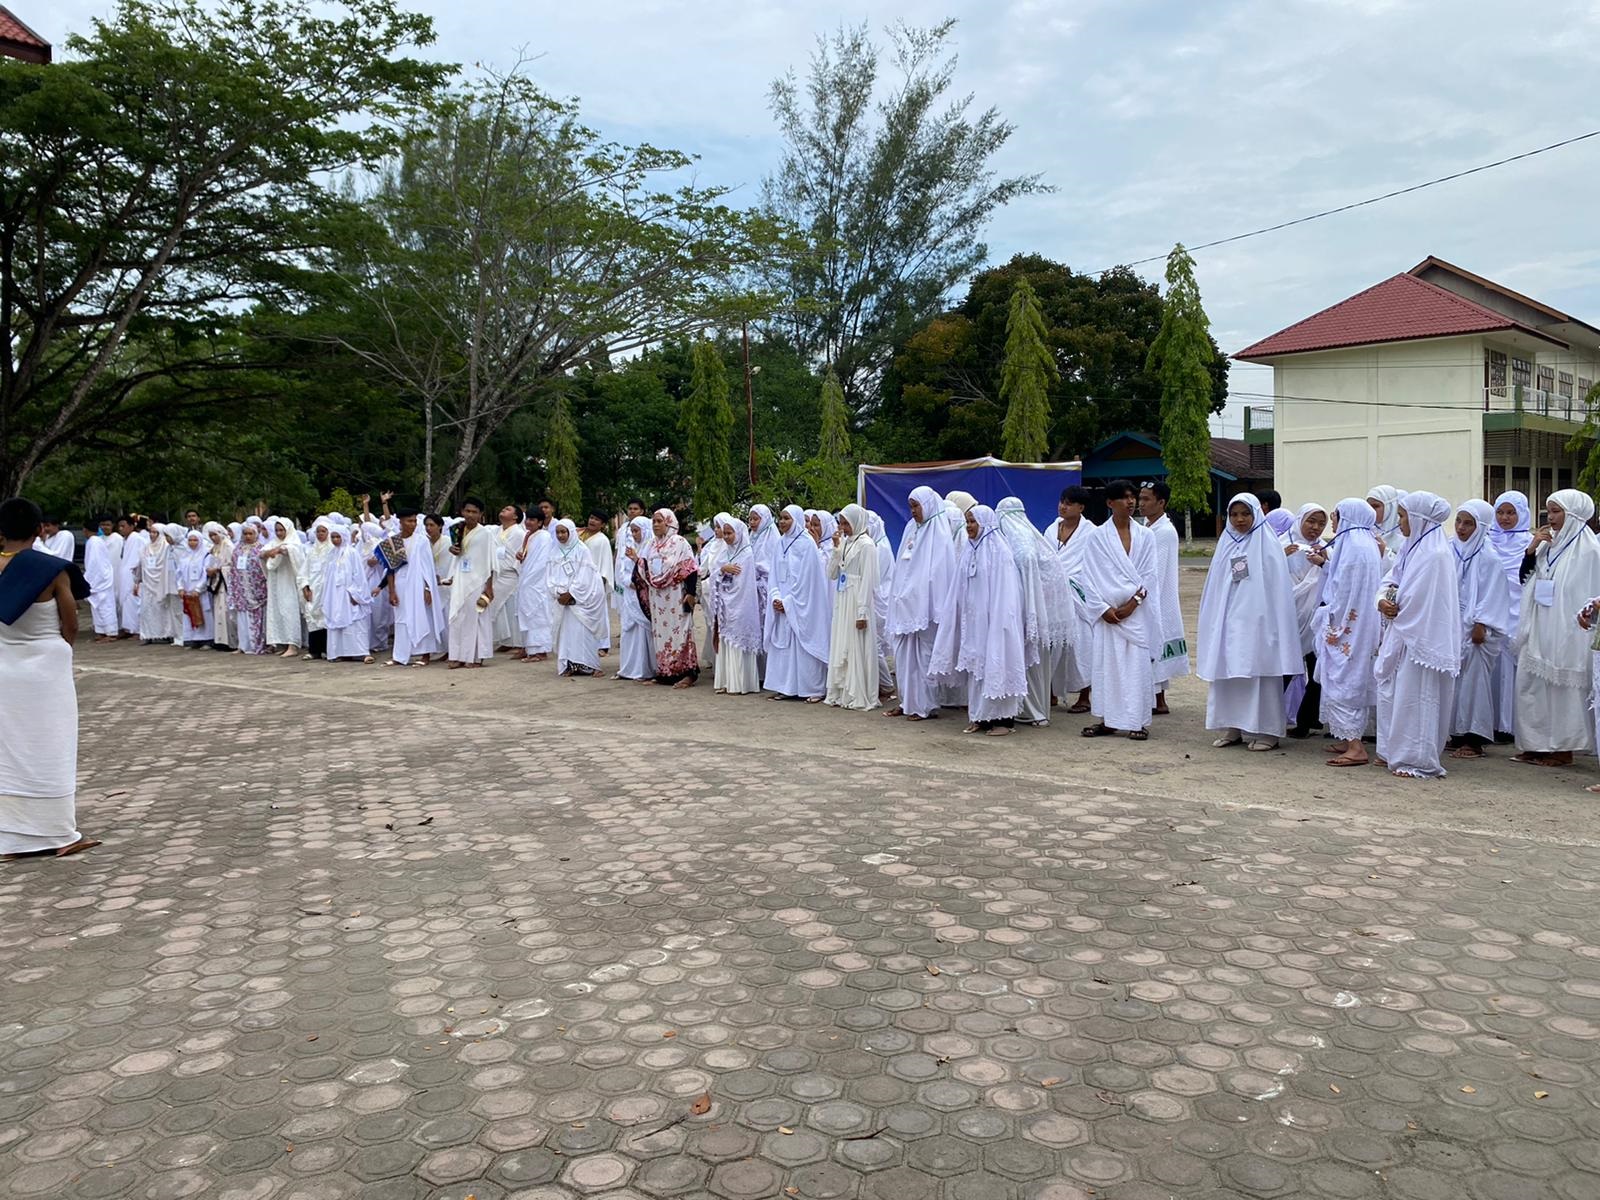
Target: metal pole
749, 402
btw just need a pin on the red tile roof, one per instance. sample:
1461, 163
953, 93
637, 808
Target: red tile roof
1402, 308
13, 30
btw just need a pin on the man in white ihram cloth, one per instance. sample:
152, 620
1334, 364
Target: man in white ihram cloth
419, 602
1121, 582
128, 579
853, 644
535, 605
39, 597
1249, 633
102, 552
1554, 671
1172, 657
1420, 654
472, 589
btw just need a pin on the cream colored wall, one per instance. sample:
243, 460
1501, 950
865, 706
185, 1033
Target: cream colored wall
1408, 414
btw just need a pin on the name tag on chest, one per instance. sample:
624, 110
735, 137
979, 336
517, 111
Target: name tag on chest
238, 563
844, 581
1239, 569
466, 565
1544, 592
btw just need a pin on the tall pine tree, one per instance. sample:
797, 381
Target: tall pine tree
1026, 373
1179, 358
833, 440
706, 421
561, 461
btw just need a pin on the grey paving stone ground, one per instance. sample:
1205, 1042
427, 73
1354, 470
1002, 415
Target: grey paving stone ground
337, 949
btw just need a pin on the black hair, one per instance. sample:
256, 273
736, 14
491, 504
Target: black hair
516, 508
546, 500
536, 514
1159, 490
20, 519
97, 521
475, 502
1269, 500
48, 519
1120, 489
405, 511
632, 500
598, 515
1077, 494
435, 518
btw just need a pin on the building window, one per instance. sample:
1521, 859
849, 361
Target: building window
1583, 387
1565, 385
1521, 373
1494, 371
1547, 379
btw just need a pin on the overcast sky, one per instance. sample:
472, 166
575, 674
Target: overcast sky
1156, 122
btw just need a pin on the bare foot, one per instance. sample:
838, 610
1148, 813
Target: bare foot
895, 712
682, 684
1349, 759
456, 666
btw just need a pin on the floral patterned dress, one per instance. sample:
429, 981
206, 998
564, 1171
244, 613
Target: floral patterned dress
247, 598
669, 565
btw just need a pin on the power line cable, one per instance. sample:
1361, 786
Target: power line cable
1416, 187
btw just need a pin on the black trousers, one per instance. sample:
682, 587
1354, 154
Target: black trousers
1309, 713
318, 643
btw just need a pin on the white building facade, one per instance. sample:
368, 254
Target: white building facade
1435, 380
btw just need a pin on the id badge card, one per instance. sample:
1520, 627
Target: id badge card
844, 582
1239, 569
1544, 592
466, 565
239, 563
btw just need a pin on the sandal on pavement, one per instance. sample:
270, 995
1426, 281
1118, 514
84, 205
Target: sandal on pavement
1100, 730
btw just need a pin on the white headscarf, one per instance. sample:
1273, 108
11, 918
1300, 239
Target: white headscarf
1248, 628
346, 593
1484, 598
1550, 645
1304, 575
1047, 609
764, 541
1428, 628
980, 620
1389, 527
924, 568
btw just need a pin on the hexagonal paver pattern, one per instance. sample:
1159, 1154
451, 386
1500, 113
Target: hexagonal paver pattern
428, 955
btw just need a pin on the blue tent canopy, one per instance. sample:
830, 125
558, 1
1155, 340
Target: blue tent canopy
886, 490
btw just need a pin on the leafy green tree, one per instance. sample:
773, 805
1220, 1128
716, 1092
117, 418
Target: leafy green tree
561, 460
833, 437
1587, 441
887, 201
1178, 358
164, 171
706, 422
1025, 374
511, 245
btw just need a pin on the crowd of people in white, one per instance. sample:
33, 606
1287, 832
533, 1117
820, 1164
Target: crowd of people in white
1435, 631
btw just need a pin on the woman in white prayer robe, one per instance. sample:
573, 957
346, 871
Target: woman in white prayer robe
764, 547
220, 548
735, 611
800, 617
189, 577
1248, 633
1385, 502
159, 614
380, 613
1510, 538
1121, 581
1347, 628
638, 646
580, 604
1049, 607
952, 692
1307, 558
318, 552
1419, 655
347, 600
880, 601
287, 587
980, 642
1485, 617
536, 610
923, 572
853, 639
1554, 668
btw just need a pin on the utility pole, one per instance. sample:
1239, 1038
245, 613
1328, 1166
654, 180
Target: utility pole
749, 401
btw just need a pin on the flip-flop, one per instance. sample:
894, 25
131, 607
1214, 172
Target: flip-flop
1080, 708
1139, 735
1000, 731
1101, 730
1342, 761
895, 712
1467, 752
1533, 760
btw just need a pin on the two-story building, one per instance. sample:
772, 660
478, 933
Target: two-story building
19, 42
1436, 379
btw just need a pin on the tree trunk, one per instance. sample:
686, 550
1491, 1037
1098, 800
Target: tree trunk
427, 450
1188, 530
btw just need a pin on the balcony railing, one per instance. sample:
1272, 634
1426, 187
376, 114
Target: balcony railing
1258, 416
1515, 398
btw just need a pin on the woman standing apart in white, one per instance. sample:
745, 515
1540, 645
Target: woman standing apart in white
638, 648
581, 612
1485, 617
853, 646
1248, 632
39, 596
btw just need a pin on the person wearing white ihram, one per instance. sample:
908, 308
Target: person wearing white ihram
102, 550
1485, 616
853, 643
734, 611
638, 647
347, 596
798, 617
979, 647
1069, 535
1561, 574
419, 604
1510, 537
1049, 605
287, 586
922, 576
580, 600
1121, 581
1172, 658
473, 547
880, 602
1248, 634
1346, 628
1419, 655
